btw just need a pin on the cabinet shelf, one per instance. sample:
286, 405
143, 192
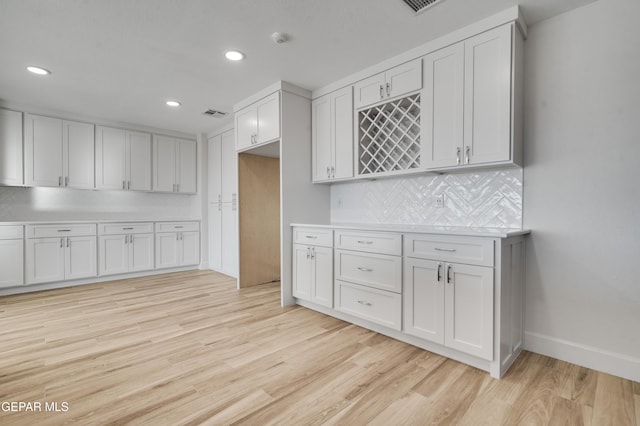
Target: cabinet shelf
389, 136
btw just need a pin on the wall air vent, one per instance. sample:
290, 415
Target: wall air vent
215, 113
420, 5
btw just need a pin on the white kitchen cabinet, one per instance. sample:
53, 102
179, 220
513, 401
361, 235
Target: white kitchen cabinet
123, 159
60, 252
177, 244
469, 102
313, 269
11, 256
393, 83
174, 165
11, 148
125, 247
450, 304
58, 153
258, 123
332, 135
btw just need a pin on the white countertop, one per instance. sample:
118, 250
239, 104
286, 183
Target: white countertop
56, 222
423, 229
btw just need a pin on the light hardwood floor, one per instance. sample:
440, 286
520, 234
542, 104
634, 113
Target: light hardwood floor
189, 348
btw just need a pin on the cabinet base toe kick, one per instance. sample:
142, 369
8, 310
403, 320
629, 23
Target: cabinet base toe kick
494, 368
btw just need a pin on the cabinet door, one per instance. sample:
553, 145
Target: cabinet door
167, 250
114, 254
404, 79
229, 239
80, 257
78, 153
139, 161
215, 237
322, 276
111, 152
189, 248
423, 299
214, 164
321, 138
246, 127
186, 166
44, 260
11, 263
342, 133
487, 102
369, 90
443, 108
268, 113
469, 309
302, 272
140, 252
164, 163
229, 168
43, 151
11, 147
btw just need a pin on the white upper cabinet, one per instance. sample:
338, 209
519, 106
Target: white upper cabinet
58, 153
469, 104
390, 84
123, 159
11, 147
174, 165
332, 135
258, 123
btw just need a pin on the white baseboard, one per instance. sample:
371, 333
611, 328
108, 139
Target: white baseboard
621, 365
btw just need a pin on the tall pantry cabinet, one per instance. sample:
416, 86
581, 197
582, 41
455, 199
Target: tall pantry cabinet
223, 204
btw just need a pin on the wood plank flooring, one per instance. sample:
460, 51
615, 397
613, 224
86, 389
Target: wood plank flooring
190, 349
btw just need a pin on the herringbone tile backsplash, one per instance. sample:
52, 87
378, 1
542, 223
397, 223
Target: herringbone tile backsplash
477, 199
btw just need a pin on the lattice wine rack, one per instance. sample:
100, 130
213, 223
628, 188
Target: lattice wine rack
389, 136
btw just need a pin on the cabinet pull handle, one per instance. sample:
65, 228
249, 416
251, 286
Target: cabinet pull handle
66, 181
64, 230
364, 302
126, 239
360, 268
328, 173
388, 89
439, 273
127, 229
308, 252
449, 274
313, 253
67, 242
130, 239
177, 187
128, 185
364, 242
381, 93
333, 172
466, 155
178, 227
61, 242
311, 236
444, 249
59, 180
458, 155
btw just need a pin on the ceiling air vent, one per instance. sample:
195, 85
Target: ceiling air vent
420, 5
214, 113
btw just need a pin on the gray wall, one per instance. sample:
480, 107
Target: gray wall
582, 186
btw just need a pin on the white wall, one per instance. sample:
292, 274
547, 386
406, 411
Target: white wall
582, 187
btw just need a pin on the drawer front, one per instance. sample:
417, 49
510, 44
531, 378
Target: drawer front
125, 228
372, 242
472, 251
381, 307
177, 226
11, 232
63, 230
313, 236
373, 270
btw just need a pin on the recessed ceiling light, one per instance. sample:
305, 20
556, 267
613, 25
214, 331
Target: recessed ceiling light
38, 70
173, 103
234, 55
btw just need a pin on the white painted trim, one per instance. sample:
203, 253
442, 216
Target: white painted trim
621, 365
510, 15
220, 130
280, 85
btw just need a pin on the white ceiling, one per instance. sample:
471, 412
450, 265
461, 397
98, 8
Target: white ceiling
119, 60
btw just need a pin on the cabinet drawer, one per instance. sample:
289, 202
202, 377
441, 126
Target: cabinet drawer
125, 228
11, 232
382, 307
313, 236
472, 251
61, 230
373, 270
177, 226
372, 242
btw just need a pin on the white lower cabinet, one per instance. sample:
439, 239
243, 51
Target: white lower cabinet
379, 306
125, 247
11, 256
177, 244
60, 252
313, 266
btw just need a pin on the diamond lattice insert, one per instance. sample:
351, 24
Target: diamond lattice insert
389, 136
